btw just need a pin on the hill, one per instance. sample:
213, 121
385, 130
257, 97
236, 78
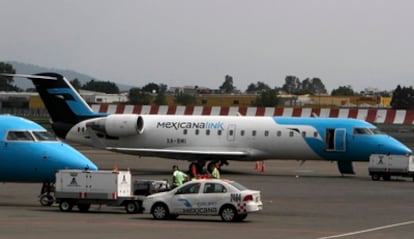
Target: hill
23, 68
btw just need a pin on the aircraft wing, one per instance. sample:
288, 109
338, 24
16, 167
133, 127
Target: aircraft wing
184, 154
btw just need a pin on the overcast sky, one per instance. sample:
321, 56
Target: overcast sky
362, 43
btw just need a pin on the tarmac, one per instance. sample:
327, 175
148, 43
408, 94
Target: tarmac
310, 200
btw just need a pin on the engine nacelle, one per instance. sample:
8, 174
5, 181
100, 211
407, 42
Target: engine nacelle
119, 125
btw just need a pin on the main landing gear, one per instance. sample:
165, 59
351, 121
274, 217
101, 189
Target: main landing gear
196, 168
46, 199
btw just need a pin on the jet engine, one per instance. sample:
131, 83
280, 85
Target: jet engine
118, 125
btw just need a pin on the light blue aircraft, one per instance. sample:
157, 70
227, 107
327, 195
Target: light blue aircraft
31, 154
210, 139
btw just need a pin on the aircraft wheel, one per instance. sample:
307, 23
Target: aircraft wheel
65, 206
210, 166
198, 169
46, 200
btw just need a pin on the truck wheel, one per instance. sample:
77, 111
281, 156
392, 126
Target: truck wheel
46, 200
65, 206
160, 211
131, 207
84, 207
228, 213
375, 177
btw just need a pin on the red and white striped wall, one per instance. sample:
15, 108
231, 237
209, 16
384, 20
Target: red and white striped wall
373, 115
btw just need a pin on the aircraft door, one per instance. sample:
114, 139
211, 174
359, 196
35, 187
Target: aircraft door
335, 140
231, 132
340, 135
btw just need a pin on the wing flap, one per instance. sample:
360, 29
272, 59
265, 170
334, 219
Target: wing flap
188, 154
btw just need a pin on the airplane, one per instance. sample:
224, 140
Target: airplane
211, 139
31, 154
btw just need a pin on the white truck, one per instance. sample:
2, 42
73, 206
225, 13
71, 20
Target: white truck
83, 188
384, 166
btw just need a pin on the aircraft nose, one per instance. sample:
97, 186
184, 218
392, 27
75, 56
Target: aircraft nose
397, 147
73, 159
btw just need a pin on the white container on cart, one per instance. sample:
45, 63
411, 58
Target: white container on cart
384, 166
83, 188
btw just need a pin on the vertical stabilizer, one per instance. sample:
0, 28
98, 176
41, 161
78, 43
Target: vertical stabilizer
64, 104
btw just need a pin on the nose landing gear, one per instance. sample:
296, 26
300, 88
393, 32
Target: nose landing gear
46, 199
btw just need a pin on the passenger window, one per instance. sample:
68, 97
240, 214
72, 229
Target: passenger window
189, 189
291, 133
315, 134
214, 188
208, 132
304, 134
266, 133
242, 133
19, 136
185, 131
279, 133
197, 131
254, 133
219, 132
231, 132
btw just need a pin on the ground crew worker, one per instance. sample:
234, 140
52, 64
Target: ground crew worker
178, 177
216, 171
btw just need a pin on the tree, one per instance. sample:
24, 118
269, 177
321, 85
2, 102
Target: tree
101, 86
343, 91
227, 86
76, 84
258, 87
161, 99
268, 98
6, 82
292, 85
403, 98
313, 86
138, 97
151, 88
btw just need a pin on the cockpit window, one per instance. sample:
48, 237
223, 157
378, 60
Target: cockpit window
19, 136
44, 136
376, 131
362, 131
